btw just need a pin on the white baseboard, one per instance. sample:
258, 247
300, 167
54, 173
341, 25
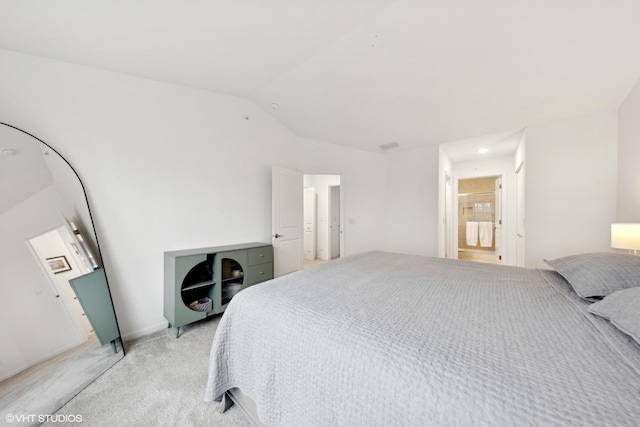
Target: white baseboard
144, 331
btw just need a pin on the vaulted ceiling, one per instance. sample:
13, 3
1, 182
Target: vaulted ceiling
360, 73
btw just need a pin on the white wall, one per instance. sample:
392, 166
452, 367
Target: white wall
629, 158
519, 155
571, 187
168, 167
411, 223
362, 183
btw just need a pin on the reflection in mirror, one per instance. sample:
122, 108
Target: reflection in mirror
59, 331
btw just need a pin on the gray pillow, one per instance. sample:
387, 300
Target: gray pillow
622, 308
599, 274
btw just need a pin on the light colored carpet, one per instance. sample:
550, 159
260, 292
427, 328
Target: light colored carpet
42, 389
314, 263
160, 382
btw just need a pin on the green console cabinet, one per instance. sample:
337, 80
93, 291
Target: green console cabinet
201, 282
93, 294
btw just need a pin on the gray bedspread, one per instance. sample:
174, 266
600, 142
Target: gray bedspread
381, 339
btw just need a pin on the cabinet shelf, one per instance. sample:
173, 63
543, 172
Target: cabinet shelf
199, 285
206, 275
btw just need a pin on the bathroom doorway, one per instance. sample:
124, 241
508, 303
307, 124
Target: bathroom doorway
480, 219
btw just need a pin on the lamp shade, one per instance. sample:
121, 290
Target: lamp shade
625, 236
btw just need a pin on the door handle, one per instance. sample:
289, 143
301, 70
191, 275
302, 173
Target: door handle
277, 235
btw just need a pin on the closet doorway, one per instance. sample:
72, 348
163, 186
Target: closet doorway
480, 219
322, 219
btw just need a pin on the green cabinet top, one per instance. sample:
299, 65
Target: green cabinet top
215, 249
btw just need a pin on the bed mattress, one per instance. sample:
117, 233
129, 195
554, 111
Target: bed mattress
381, 339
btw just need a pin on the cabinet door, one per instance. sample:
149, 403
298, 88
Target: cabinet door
260, 255
191, 271
230, 272
258, 273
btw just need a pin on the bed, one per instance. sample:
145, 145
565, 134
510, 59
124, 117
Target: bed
379, 339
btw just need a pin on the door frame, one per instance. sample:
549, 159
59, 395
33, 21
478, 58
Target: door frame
310, 222
328, 212
504, 248
450, 251
520, 231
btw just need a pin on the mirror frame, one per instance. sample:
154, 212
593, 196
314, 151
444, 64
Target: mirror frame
93, 226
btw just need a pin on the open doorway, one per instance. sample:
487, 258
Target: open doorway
54, 252
479, 219
287, 215
322, 219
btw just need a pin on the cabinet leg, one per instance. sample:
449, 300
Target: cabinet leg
113, 346
177, 331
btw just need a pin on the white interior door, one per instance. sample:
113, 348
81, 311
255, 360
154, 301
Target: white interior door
520, 215
497, 221
310, 210
287, 220
335, 226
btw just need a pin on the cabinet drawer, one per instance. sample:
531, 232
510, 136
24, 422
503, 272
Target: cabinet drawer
260, 255
258, 273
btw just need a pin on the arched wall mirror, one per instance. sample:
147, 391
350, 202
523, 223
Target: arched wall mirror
59, 331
